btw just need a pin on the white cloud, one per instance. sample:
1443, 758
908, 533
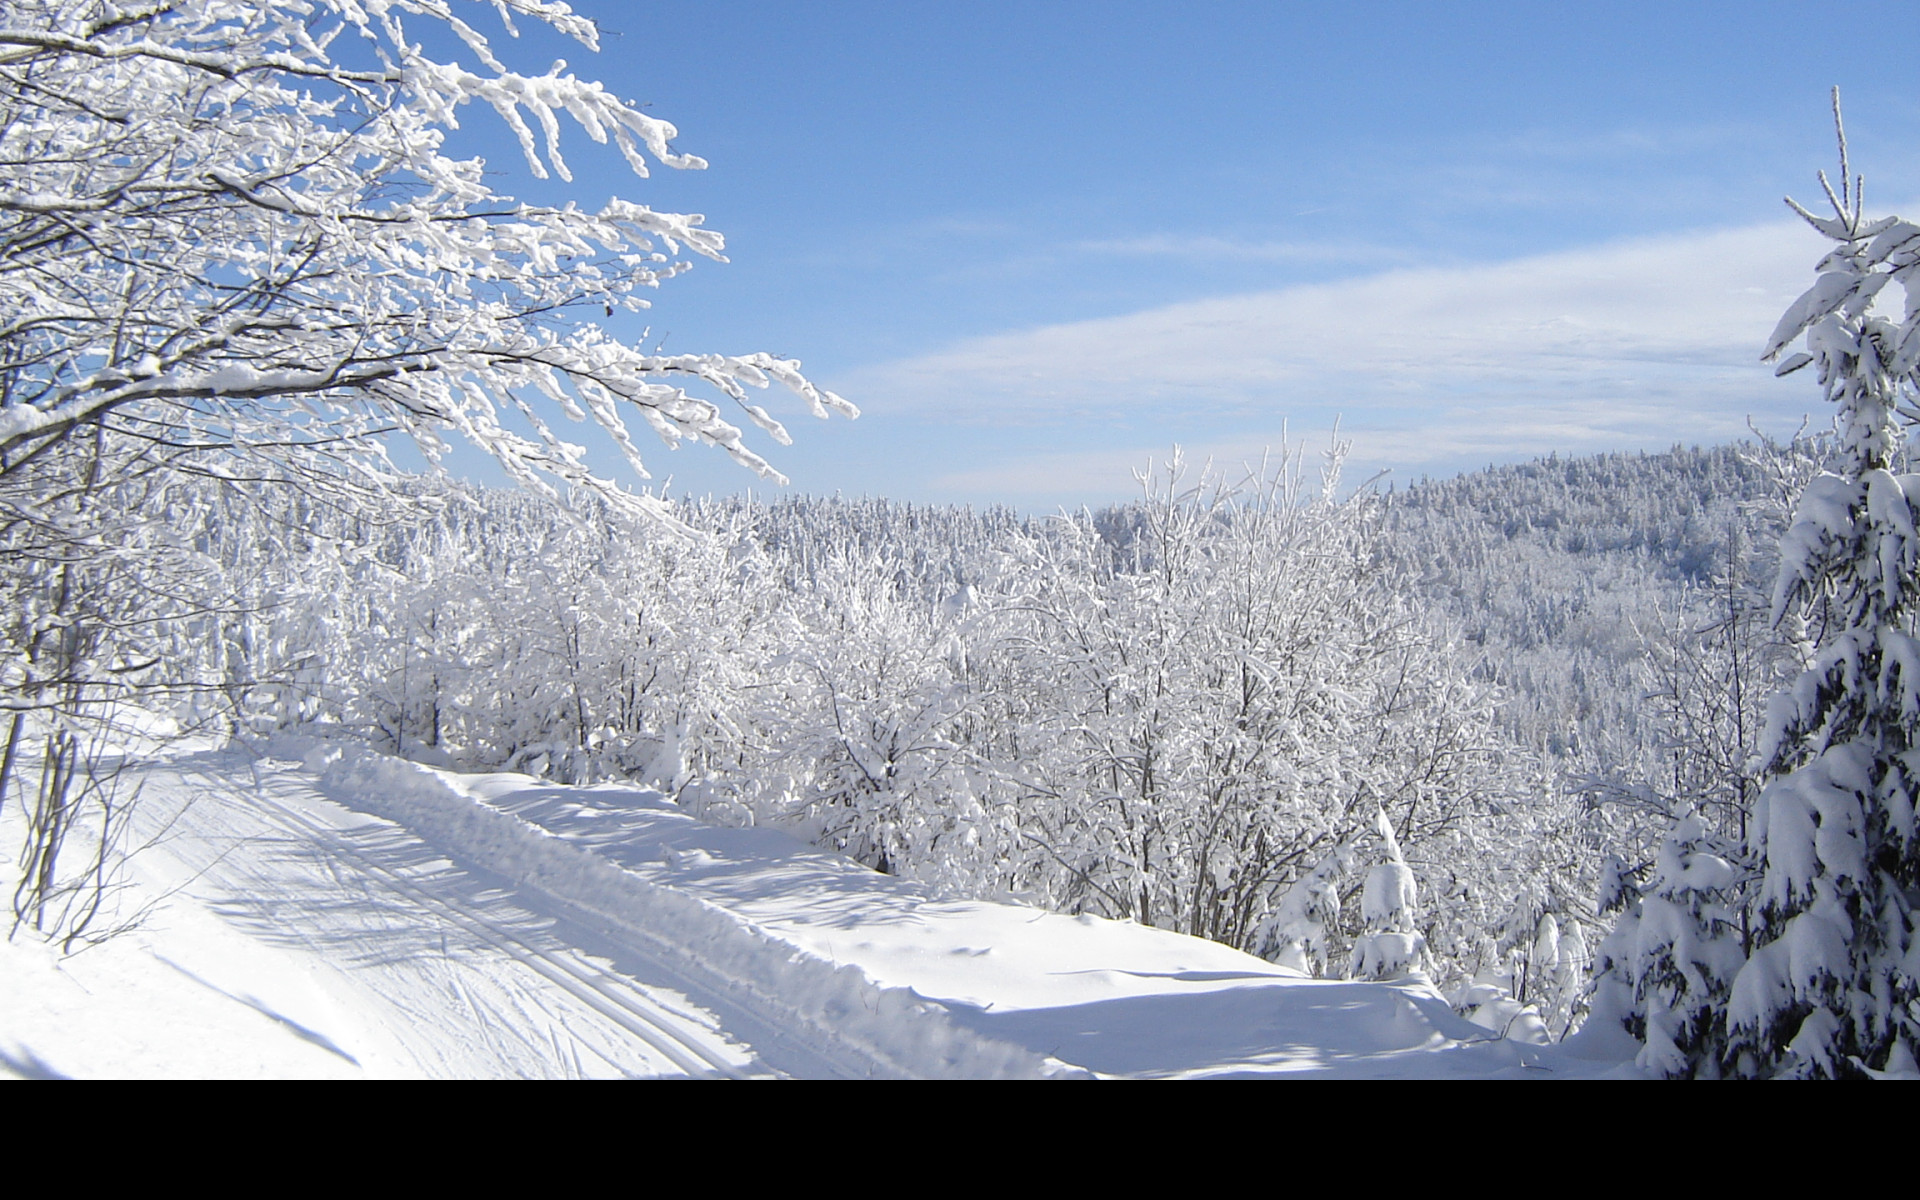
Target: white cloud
1589, 347
1209, 247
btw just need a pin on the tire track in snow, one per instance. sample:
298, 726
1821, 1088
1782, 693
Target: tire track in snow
834, 1015
835, 1060
755, 1005
796, 1012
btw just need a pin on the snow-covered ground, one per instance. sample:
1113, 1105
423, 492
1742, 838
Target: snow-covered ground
327, 912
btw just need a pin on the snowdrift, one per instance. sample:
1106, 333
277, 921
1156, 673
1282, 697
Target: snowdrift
899, 1032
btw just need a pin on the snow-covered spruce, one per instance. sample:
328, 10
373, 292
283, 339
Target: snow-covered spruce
1299, 929
1668, 964
1832, 984
1391, 947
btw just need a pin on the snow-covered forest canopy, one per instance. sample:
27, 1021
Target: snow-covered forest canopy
1550, 736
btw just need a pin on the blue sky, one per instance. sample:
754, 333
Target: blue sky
1038, 244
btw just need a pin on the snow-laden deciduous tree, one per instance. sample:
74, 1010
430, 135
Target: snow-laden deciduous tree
865, 717
230, 227
1832, 983
232, 246
1220, 694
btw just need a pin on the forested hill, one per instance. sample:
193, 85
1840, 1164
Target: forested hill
1667, 514
1669, 511
1569, 572
1560, 574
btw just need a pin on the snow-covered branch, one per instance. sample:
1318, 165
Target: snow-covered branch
226, 214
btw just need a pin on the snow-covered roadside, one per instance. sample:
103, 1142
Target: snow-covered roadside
871, 1029
341, 913
1113, 997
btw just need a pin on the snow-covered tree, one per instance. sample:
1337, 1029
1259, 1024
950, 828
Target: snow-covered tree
229, 228
1832, 984
232, 246
1219, 695
1391, 946
867, 725
1298, 931
1670, 961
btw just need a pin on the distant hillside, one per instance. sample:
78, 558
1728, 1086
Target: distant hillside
1668, 511
1567, 571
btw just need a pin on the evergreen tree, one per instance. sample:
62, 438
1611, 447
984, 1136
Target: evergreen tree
1675, 949
1391, 947
1829, 988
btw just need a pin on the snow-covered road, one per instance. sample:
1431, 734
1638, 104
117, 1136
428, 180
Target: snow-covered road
329, 912
479, 977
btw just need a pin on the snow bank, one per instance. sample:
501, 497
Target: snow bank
890, 1030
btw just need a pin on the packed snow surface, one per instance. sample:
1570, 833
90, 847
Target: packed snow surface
327, 912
